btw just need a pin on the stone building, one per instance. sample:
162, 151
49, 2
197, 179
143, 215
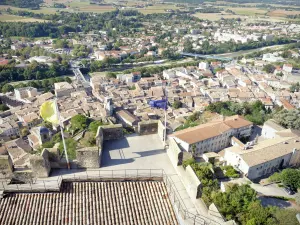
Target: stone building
266, 157
38, 136
213, 136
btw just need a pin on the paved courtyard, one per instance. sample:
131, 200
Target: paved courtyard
136, 152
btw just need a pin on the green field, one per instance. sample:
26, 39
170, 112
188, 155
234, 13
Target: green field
72, 6
13, 18
157, 8
249, 11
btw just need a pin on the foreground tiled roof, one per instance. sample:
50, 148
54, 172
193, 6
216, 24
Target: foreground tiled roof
91, 203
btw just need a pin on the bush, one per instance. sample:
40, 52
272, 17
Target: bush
230, 172
71, 145
177, 104
79, 122
93, 127
188, 162
291, 178
276, 177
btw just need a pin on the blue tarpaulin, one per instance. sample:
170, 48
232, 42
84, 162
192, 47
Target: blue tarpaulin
162, 104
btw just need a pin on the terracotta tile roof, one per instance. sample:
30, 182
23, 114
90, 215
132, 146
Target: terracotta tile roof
286, 104
91, 203
3, 61
211, 129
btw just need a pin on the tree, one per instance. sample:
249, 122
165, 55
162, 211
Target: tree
269, 68
7, 88
291, 178
230, 172
177, 104
235, 200
93, 127
284, 216
288, 118
24, 132
295, 87
256, 214
187, 162
110, 75
3, 107
79, 122
68, 79
275, 177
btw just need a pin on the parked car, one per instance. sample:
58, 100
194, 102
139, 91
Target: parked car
289, 190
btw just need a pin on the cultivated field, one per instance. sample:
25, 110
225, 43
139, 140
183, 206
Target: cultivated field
249, 11
282, 13
13, 18
157, 8
216, 16
72, 6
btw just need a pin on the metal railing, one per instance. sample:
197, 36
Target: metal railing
36, 186
127, 174
180, 207
175, 198
54, 184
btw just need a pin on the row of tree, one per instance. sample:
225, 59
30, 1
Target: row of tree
289, 177
113, 22
32, 4
34, 71
46, 84
288, 118
254, 112
231, 46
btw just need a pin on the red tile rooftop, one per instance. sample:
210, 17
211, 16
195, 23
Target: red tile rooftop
3, 61
82, 203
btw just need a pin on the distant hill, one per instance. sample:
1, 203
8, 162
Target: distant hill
285, 2
32, 4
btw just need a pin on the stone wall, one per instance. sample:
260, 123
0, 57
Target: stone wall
174, 152
40, 164
23, 177
88, 157
99, 137
192, 183
6, 166
147, 127
112, 132
214, 212
161, 130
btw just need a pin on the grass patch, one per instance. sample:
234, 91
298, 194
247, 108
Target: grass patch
88, 140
